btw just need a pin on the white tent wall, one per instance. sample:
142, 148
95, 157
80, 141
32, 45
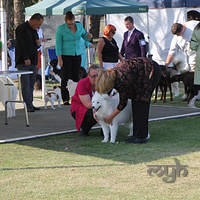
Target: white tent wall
160, 22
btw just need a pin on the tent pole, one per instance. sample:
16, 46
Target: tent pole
43, 71
3, 36
88, 49
105, 20
148, 36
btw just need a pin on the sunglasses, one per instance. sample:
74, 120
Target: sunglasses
113, 32
93, 76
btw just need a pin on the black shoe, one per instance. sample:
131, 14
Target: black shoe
66, 103
83, 133
30, 109
36, 108
136, 140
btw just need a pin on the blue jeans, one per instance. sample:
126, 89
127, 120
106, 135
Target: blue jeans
27, 84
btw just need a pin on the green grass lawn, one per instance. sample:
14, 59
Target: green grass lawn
82, 168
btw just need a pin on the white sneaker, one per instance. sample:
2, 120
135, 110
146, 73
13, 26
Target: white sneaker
192, 102
198, 95
176, 94
184, 96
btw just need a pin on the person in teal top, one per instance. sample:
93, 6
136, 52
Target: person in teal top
68, 51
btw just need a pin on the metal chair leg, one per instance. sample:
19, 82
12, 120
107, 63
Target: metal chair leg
6, 113
26, 115
25, 110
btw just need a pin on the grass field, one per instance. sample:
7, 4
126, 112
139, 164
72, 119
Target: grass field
71, 167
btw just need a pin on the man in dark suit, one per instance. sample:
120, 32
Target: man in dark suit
134, 44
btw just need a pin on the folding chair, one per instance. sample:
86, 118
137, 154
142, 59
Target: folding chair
51, 52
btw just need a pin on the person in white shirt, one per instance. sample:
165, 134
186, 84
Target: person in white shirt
181, 42
182, 37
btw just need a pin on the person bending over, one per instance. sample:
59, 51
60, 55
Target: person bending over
134, 79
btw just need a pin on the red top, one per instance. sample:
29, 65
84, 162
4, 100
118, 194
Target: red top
83, 88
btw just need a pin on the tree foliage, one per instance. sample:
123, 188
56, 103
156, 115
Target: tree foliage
15, 10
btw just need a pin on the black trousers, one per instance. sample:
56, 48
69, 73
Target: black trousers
70, 70
140, 119
141, 109
88, 120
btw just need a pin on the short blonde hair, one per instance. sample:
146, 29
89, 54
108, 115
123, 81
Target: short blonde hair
105, 81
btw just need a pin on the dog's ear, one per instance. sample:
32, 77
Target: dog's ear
110, 92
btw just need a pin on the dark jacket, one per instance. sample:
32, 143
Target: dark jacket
26, 47
136, 80
134, 47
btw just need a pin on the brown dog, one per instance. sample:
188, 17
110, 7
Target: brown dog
165, 81
163, 84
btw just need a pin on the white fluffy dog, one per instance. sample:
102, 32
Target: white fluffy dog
52, 96
8, 91
104, 105
71, 85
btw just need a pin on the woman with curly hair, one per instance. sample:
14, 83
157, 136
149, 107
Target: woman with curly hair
107, 49
134, 79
